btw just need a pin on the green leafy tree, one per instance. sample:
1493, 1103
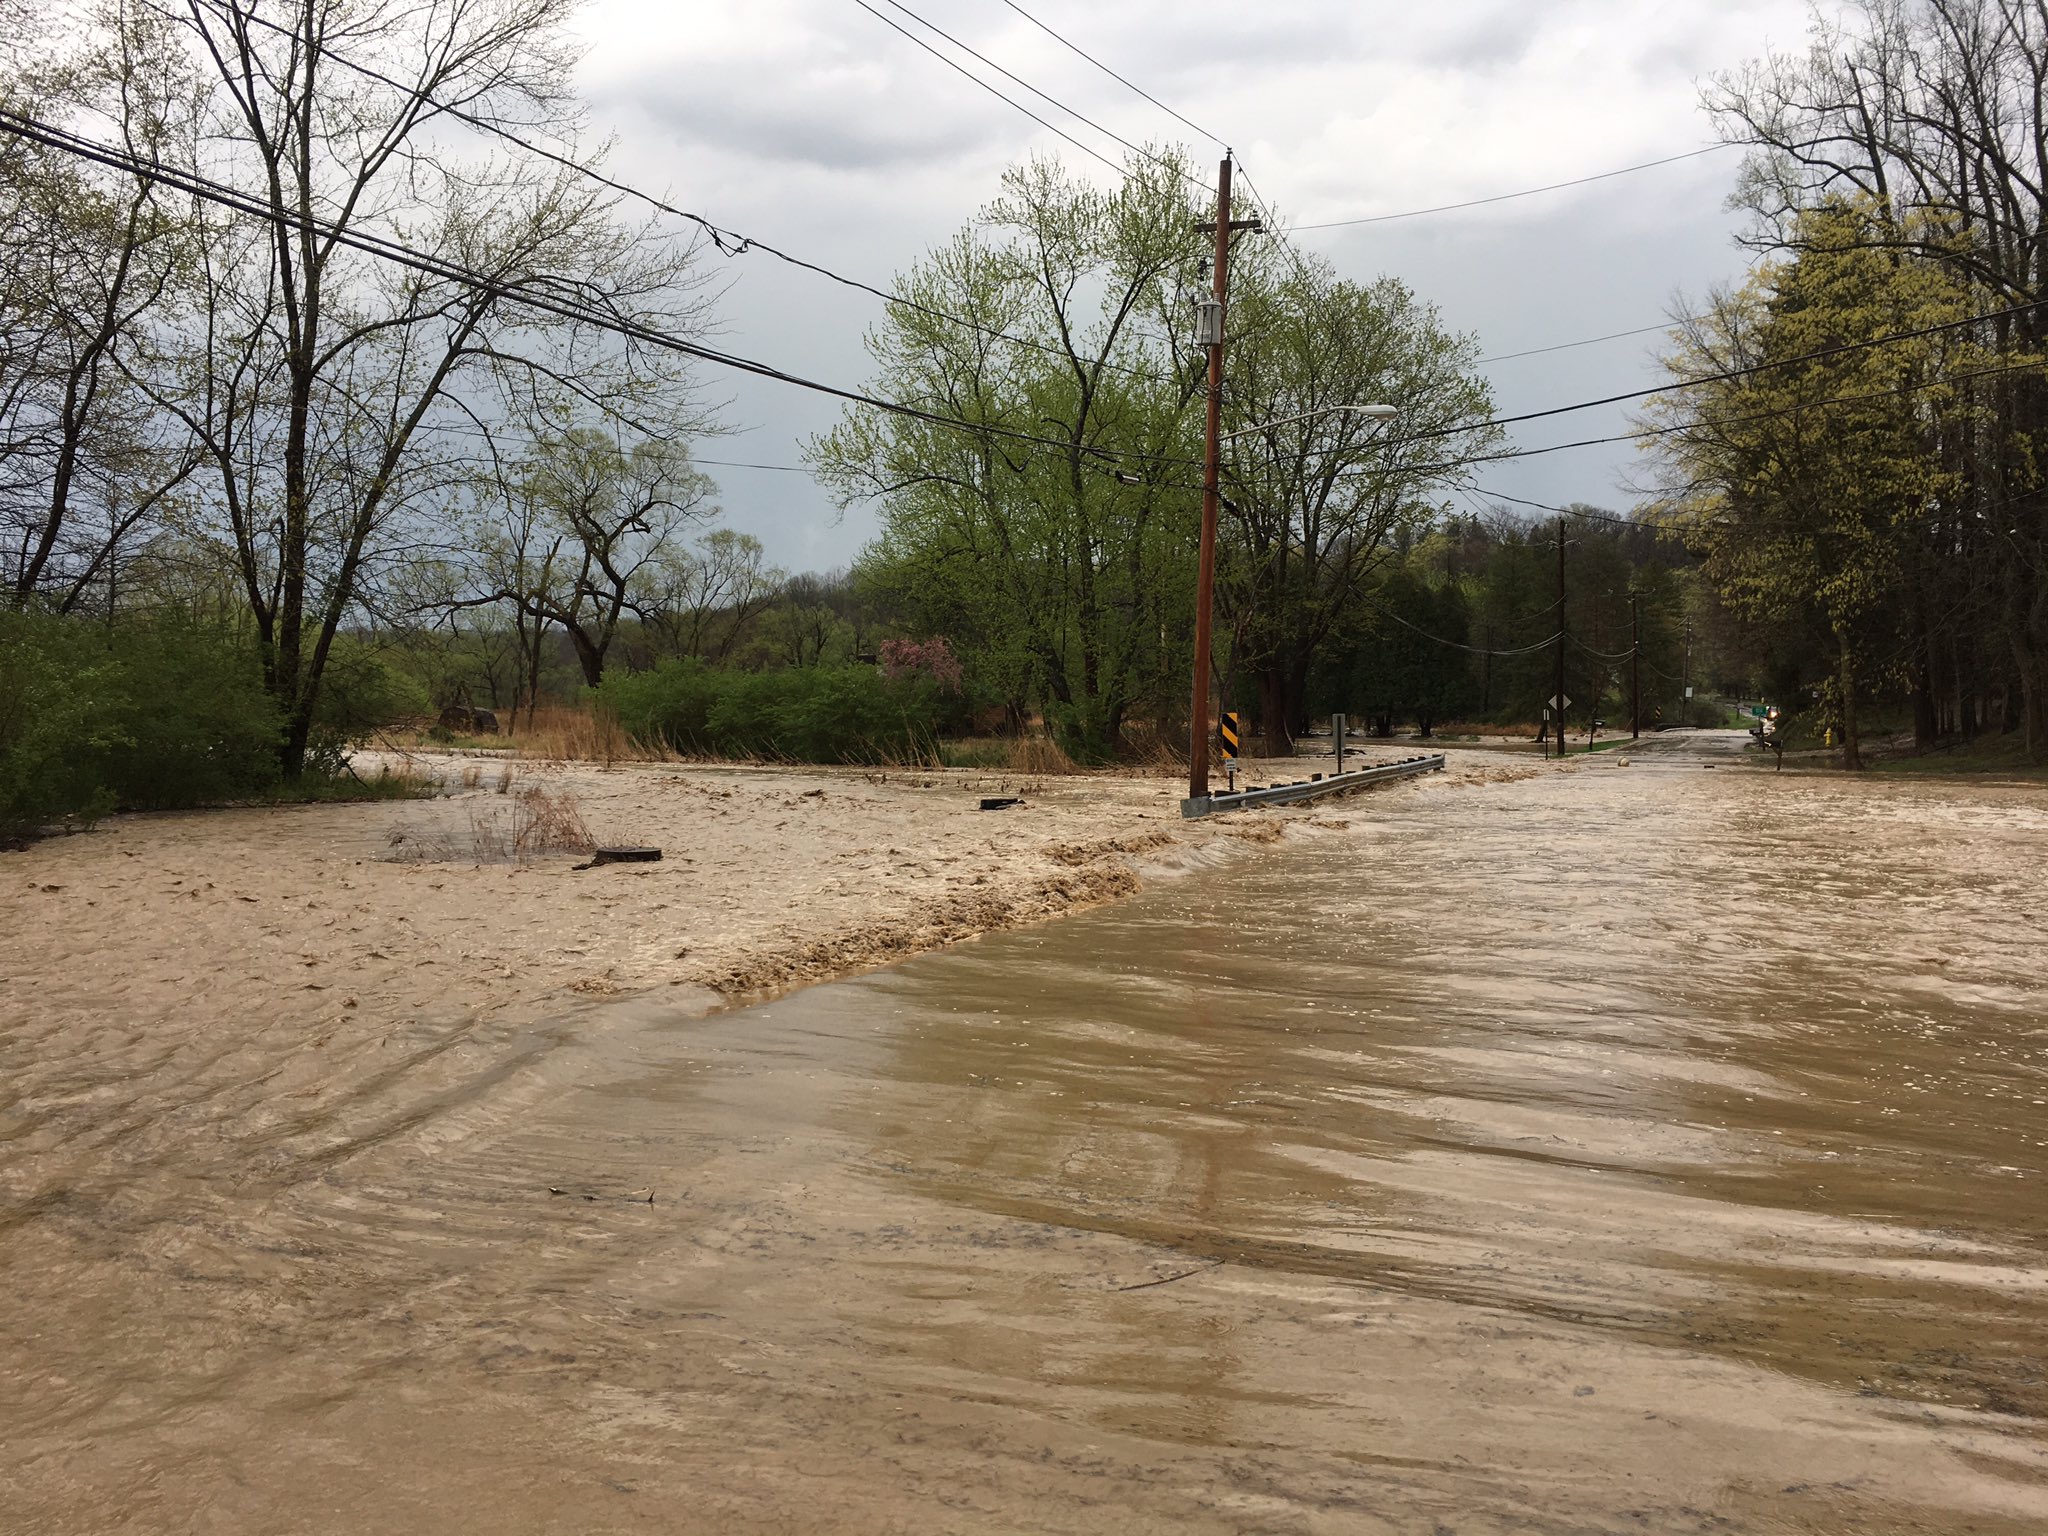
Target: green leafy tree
1058, 582
1316, 491
1812, 483
1934, 111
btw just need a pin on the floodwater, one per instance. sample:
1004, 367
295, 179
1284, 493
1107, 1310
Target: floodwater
1653, 1149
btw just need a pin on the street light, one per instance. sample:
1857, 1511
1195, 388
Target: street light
1205, 581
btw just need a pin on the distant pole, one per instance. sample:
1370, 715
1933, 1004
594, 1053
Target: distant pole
1635, 670
1486, 675
1212, 462
1685, 680
1558, 697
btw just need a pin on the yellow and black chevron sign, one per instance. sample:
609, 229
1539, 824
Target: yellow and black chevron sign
1226, 729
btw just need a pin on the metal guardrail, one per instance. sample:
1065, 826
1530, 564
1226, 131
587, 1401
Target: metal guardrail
1311, 788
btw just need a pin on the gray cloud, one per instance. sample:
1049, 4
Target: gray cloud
835, 124
808, 123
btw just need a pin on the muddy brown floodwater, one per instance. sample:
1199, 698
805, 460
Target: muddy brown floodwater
1659, 1149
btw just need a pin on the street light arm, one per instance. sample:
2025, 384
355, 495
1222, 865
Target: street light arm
1376, 412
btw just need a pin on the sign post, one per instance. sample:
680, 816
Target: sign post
1337, 726
1227, 736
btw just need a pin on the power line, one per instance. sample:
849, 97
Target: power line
1217, 138
1600, 655
1610, 517
390, 250
514, 434
719, 234
1644, 433
962, 69
1504, 197
1476, 650
1729, 375
1566, 346
730, 243
1109, 133
1119, 79
787, 469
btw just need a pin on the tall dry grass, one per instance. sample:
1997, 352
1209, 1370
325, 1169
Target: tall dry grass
580, 733
535, 821
1042, 755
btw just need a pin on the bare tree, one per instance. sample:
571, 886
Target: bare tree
586, 535
321, 377
713, 593
92, 261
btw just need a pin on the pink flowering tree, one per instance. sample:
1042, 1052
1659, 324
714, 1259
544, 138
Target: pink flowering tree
933, 659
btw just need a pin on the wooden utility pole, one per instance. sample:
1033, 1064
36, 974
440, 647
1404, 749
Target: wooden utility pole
1557, 705
1212, 463
1635, 669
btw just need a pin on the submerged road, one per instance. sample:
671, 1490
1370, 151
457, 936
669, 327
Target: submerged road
1648, 1149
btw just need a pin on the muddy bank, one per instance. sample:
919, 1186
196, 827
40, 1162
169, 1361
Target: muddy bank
345, 917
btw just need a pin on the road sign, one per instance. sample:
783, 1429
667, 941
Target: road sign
1567, 704
1226, 728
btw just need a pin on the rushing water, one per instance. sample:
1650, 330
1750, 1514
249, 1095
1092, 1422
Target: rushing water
1657, 1149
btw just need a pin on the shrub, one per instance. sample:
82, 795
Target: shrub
197, 727
144, 714
807, 714
57, 713
360, 690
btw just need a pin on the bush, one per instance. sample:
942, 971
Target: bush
57, 714
808, 714
145, 715
360, 690
197, 726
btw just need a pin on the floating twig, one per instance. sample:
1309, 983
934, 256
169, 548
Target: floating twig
1199, 1269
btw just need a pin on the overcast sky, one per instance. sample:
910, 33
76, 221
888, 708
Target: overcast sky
813, 126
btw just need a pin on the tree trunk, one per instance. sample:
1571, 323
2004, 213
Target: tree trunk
2033, 696
1273, 712
1297, 693
1852, 748
587, 655
1926, 725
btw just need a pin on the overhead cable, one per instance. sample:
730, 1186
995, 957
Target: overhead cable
1504, 197
1643, 434
1729, 375
1566, 346
1109, 133
1073, 47
519, 293
962, 69
1600, 655
1476, 650
728, 242
720, 235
